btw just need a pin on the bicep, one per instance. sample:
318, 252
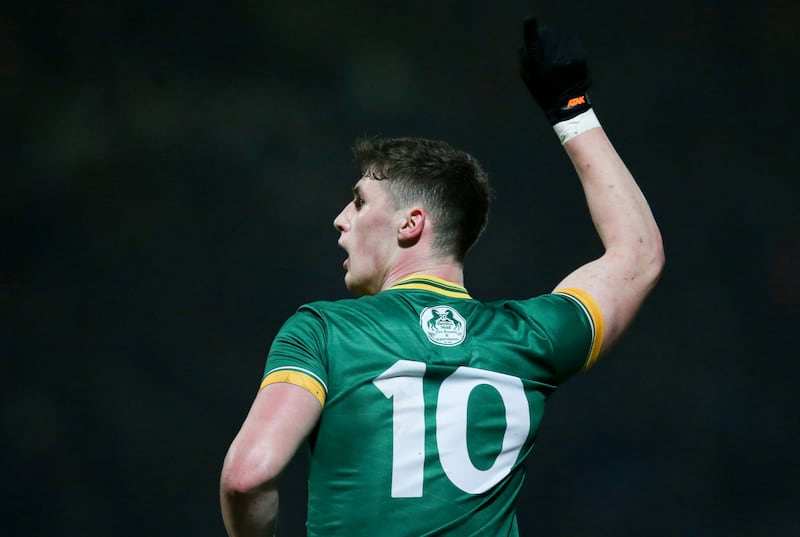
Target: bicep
280, 418
616, 288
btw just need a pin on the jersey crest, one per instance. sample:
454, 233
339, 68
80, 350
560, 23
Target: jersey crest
443, 325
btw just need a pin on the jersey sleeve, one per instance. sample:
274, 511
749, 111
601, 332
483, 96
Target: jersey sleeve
572, 323
594, 318
298, 354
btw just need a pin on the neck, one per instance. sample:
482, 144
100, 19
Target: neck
449, 270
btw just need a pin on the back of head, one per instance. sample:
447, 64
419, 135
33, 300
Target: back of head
450, 185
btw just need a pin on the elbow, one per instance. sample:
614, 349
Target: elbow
245, 474
234, 483
641, 261
654, 260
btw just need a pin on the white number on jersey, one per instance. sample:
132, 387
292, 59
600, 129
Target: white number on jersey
403, 383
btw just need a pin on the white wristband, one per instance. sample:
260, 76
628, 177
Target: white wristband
570, 128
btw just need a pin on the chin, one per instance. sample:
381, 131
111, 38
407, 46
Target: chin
349, 283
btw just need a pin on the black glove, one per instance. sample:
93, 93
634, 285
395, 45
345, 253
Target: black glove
553, 66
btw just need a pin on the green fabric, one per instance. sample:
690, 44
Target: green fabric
427, 385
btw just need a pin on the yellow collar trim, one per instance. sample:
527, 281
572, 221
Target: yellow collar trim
424, 282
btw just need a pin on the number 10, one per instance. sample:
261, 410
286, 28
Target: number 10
403, 383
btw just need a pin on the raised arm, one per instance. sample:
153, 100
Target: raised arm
622, 277
553, 65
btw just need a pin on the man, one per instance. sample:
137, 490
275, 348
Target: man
420, 403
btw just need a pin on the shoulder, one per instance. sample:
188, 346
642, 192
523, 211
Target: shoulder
326, 308
569, 315
561, 301
568, 318
534, 306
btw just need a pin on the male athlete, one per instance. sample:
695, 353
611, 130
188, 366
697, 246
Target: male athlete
419, 402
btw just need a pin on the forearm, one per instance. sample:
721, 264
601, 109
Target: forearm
619, 210
250, 514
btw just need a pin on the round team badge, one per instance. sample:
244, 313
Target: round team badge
443, 325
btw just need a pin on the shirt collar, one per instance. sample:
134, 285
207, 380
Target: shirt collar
424, 282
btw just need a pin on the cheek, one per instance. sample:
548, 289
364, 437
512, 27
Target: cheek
374, 240
366, 251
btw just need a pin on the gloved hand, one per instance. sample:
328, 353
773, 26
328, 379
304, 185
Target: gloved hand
553, 66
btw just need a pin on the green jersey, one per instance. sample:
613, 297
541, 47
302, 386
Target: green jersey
431, 403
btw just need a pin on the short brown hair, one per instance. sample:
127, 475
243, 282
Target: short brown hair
450, 184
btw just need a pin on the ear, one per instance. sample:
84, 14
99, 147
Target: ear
411, 227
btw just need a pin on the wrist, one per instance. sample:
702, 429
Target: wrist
570, 128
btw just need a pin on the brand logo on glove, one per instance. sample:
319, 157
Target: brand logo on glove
576, 101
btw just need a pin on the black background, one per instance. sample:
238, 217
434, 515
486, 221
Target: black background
170, 172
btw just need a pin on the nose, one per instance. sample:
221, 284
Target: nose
340, 222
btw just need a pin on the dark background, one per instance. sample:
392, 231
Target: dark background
170, 172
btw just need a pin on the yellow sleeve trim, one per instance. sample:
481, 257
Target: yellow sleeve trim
297, 378
596, 318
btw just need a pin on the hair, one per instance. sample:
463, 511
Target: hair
450, 184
